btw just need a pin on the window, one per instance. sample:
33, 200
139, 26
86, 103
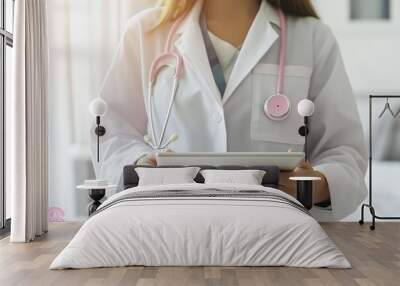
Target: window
6, 44
362, 17
370, 9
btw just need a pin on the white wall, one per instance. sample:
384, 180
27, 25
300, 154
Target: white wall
370, 48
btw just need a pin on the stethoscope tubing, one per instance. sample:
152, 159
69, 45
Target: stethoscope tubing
158, 143
171, 104
155, 68
282, 54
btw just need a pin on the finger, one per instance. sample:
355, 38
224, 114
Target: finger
151, 156
305, 165
152, 161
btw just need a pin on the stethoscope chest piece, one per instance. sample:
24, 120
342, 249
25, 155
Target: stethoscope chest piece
277, 107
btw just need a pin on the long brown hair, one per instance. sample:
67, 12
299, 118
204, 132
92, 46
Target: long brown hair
298, 8
172, 9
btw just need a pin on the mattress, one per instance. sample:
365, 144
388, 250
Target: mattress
201, 225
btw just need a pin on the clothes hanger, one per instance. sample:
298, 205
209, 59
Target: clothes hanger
387, 107
397, 113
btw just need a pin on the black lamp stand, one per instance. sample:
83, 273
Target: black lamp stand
100, 131
305, 193
305, 187
304, 131
96, 195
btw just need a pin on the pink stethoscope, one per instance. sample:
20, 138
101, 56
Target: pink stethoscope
277, 107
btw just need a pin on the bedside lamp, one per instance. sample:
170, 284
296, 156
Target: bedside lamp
97, 188
306, 109
98, 108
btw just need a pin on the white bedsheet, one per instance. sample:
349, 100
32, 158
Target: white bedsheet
200, 232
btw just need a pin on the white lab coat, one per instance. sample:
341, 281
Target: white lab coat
205, 122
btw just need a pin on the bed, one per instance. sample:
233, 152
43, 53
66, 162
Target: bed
198, 224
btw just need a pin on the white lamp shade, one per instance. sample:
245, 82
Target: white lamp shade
306, 108
98, 107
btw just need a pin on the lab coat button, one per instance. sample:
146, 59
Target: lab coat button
217, 118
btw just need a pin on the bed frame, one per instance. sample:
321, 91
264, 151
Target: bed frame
271, 178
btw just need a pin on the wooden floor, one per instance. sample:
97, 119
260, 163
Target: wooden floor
375, 257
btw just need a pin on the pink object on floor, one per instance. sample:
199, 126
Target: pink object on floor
56, 214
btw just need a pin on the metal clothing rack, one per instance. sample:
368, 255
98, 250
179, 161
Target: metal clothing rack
370, 204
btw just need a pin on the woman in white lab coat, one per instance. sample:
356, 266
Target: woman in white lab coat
245, 35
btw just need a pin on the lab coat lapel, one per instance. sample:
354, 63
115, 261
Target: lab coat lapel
191, 47
259, 40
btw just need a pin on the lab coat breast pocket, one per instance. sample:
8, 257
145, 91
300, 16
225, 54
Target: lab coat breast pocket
296, 88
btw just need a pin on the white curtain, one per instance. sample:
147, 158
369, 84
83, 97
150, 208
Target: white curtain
27, 122
83, 38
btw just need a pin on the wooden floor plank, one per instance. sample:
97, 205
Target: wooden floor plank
375, 257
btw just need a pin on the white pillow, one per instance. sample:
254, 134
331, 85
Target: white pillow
166, 176
246, 177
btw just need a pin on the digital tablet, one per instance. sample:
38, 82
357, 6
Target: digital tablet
286, 161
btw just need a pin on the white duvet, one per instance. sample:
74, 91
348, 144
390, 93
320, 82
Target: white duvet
200, 232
